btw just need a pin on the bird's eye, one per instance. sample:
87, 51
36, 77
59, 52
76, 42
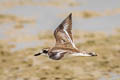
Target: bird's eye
45, 51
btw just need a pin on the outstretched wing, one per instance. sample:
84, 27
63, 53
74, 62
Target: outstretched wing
63, 34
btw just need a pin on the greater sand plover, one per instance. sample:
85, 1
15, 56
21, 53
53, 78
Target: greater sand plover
64, 43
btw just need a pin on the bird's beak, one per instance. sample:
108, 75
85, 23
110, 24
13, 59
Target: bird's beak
37, 54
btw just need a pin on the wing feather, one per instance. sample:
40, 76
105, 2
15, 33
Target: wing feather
63, 33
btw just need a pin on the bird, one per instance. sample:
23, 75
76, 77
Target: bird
64, 42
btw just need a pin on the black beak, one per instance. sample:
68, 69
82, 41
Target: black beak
37, 54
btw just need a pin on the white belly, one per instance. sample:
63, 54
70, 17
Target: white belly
80, 54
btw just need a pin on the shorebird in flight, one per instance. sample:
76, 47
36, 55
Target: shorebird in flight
64, 43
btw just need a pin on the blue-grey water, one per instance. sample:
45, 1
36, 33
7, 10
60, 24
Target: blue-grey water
112, 76
48, 17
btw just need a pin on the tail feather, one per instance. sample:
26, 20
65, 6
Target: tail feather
84, 54
80, 54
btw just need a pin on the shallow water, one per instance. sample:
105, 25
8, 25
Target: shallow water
112, 76
23, 64
47, 17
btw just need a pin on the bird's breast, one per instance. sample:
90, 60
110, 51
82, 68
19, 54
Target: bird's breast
56, 55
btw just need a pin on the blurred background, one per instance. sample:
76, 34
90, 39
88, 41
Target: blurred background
26, 26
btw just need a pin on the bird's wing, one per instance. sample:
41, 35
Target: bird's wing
63, 33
